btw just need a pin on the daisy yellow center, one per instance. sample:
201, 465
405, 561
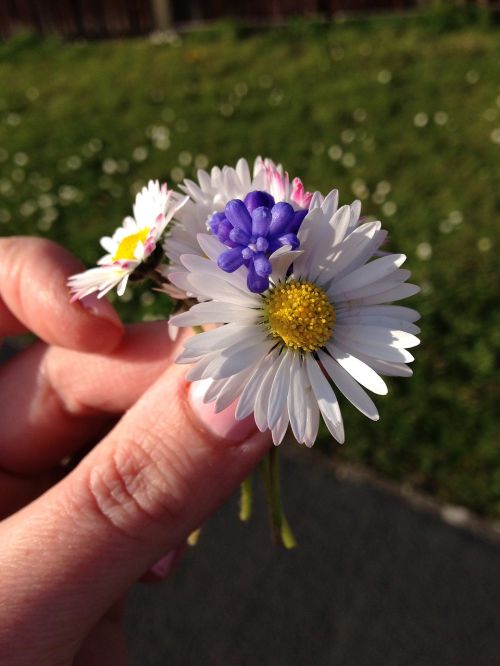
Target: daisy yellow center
127, 246
300, 314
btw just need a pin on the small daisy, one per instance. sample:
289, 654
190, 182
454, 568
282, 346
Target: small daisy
324, 320
133, 250
209, 198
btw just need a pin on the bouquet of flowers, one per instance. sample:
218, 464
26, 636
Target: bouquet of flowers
290, 294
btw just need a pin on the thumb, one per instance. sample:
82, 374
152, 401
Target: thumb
167, 465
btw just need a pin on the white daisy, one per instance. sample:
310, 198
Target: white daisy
133, 250
210, 196
324, 320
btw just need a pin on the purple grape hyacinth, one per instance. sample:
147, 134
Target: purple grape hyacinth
252, 230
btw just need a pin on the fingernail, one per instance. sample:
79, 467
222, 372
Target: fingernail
163, 567
99, 307
224, 424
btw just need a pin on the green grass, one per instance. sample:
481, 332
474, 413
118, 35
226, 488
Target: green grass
392, 111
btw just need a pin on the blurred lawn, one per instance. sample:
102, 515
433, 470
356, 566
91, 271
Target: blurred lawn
389, 111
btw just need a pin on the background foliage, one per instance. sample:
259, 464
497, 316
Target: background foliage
402, 113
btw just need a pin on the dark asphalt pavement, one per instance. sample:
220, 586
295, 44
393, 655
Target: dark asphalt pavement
374, 582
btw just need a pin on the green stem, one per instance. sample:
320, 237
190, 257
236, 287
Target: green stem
246, 499
193, 537
285, 529
282, 533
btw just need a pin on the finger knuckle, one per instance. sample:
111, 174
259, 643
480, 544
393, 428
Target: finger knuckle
137, 488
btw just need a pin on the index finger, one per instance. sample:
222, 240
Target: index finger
34, 296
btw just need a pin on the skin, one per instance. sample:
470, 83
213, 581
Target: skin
153, 466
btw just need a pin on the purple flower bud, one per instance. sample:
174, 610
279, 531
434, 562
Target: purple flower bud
230, 260
261, 244
298, 218
261, 219
282, 216
253, 230
274, 244
257, 198
289, 239
224, 229
215, 221
256, 283
262, 265
239, 236
238, 215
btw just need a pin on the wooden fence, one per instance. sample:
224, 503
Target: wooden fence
114, 18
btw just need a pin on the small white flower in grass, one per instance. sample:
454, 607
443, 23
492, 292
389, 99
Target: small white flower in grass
323, 321
134, 249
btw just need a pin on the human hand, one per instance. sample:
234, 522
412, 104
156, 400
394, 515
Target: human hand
72, 545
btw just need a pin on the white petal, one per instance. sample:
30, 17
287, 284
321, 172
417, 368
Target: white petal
279, 390
108, 244
215, 312
196, 264
174, 208
174, 247
395, 294
204, 179
184, 357
214, 389
312, 418
327, 401
280, 262
377, 336
391, 369
330, 203
263, 398
347, 252
192, 189
382, 352
219, 289
244, 174
373, 289
210, 245
364, 254
120, 290
259, 180
340, 222
396, 311
129, 225
316, 200
247, 399
355, 213
387, 368
369, 273
299, 382
383, 322
202, 367
232, 389
279, 430
313, 232
350, 388
238, 357
223, 337
223, 364
180, 280
361, 372
173, 332
324, 241
106, 260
